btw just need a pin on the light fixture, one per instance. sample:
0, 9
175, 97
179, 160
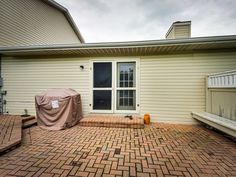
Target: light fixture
81, 67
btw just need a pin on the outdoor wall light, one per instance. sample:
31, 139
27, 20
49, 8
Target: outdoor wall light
81, 67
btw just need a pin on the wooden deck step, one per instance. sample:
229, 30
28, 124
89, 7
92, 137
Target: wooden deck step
28, 118
10, 132
29, 123
112, 121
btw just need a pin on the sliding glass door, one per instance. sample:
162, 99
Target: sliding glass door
114, 87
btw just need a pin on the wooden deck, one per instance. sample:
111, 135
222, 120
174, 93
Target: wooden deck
10, 132
111, 121
28, 121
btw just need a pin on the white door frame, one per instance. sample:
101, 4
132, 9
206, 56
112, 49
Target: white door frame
114, 85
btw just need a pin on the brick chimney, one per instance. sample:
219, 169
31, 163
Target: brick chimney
179, 29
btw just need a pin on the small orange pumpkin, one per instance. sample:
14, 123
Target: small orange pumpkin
146, 118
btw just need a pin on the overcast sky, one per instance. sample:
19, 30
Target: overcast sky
132, 20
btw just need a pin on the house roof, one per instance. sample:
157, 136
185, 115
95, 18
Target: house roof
133, 48
67, 15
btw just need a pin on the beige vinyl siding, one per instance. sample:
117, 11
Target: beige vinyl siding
171, 34
182, 31
179, 31
33, 22
24, 78
172, 86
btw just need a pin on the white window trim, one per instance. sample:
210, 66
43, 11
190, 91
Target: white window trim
114, 84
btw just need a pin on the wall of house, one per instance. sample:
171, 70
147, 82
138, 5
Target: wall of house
26, 77
171, 86
33, 22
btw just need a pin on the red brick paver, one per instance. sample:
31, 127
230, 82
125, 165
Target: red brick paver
156, 150
112, 121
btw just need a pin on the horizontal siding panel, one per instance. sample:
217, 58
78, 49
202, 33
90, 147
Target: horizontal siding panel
165, 89
33, 22
182, 31
172, 86
25, 78
179, 99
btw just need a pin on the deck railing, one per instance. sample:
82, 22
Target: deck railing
222, 80
221, 94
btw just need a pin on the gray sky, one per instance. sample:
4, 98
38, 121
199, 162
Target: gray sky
132, 20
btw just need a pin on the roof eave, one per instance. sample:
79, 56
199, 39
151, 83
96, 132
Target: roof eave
185, 41
218, 42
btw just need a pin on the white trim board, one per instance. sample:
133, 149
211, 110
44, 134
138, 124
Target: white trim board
225, 125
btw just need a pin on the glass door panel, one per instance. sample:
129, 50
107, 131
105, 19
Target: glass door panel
126, 75
126, 100
126, 86
102, 75
102, 99
102, 86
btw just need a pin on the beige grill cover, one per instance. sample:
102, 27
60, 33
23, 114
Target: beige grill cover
57, 109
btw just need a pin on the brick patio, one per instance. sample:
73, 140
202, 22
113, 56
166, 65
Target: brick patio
156, 150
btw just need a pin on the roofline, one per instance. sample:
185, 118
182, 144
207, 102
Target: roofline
176, 24
130, 44
68, 16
